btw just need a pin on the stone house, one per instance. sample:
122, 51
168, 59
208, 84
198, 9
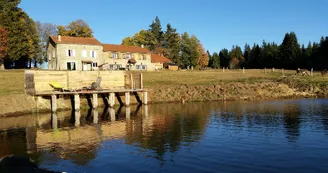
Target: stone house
158, 61
127, 57
74, 53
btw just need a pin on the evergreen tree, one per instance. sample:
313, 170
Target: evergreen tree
255, 59
172, 46
156, 36
210, 59
215, 60
247, 55
224, 58
290, 51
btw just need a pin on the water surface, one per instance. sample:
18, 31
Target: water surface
270, 136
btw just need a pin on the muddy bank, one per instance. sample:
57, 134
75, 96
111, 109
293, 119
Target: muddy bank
228, 91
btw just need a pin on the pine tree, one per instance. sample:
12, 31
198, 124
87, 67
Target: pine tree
247, 55
171, 44
290, 51
224, 58
156, 36
216, 60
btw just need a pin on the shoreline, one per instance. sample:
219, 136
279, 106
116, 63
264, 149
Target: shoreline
181, 95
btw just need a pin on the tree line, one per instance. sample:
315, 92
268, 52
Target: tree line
289, 54
23, 44
184, 50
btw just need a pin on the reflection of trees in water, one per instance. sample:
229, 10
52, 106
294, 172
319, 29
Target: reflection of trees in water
292, 122
13, 142
168, 126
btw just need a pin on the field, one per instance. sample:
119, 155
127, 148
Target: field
12, 81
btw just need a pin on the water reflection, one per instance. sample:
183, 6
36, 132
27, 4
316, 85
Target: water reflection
157, 130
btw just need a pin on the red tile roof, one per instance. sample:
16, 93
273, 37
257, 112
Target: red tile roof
159, 58
121, 48
75, 40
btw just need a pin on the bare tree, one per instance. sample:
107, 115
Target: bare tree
45, 30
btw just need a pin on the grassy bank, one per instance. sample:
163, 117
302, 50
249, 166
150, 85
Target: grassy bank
171, 86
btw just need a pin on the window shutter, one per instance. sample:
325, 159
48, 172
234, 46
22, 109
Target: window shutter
84, 53
90, 53
95, 54
73, 52
66, 52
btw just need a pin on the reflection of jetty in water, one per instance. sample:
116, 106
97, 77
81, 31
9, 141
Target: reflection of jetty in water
159, 129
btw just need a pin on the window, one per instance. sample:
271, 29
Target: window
84, 53
127, 56
115, 55
71, 66
143, 57
141, 67
115, 66
93, 54
94, 64
54, 54
70, 53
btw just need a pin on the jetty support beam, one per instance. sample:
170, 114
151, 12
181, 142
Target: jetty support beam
95, 101
53, 103
145, 97
127, 98
111, 99
137, 97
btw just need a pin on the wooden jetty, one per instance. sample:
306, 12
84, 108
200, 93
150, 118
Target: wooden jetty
114, 84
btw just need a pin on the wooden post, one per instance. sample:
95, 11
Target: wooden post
127, 98
128, 112
54, 120
311, 71
77, 102
145, 97
146, 110
273, 69
222, 69
141, 81
131, 79
95, 116
112, 114
243, 69
53, 103
94, 101
111, 99
77, 118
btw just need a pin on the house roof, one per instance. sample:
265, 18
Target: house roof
159, 58
75, 40
122, 48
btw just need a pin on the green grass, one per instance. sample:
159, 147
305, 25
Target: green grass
12, 81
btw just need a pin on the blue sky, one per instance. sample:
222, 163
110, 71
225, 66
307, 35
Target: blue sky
217, 23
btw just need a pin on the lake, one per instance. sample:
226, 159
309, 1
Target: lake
262, 136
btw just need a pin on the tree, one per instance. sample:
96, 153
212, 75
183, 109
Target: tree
290, 51
236, 57
3, 45
215, 60
171, 44
247, 55
190, 54
44, 30
203, 56
78, 28
22, 36
156, 36
224, 58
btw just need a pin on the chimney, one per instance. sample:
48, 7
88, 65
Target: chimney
59, 38
142, 46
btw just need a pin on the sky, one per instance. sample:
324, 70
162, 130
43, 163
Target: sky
218, 24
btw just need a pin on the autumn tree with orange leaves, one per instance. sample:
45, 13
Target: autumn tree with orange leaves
3, 45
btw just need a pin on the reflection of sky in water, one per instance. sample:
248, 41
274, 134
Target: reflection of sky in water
288, 135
